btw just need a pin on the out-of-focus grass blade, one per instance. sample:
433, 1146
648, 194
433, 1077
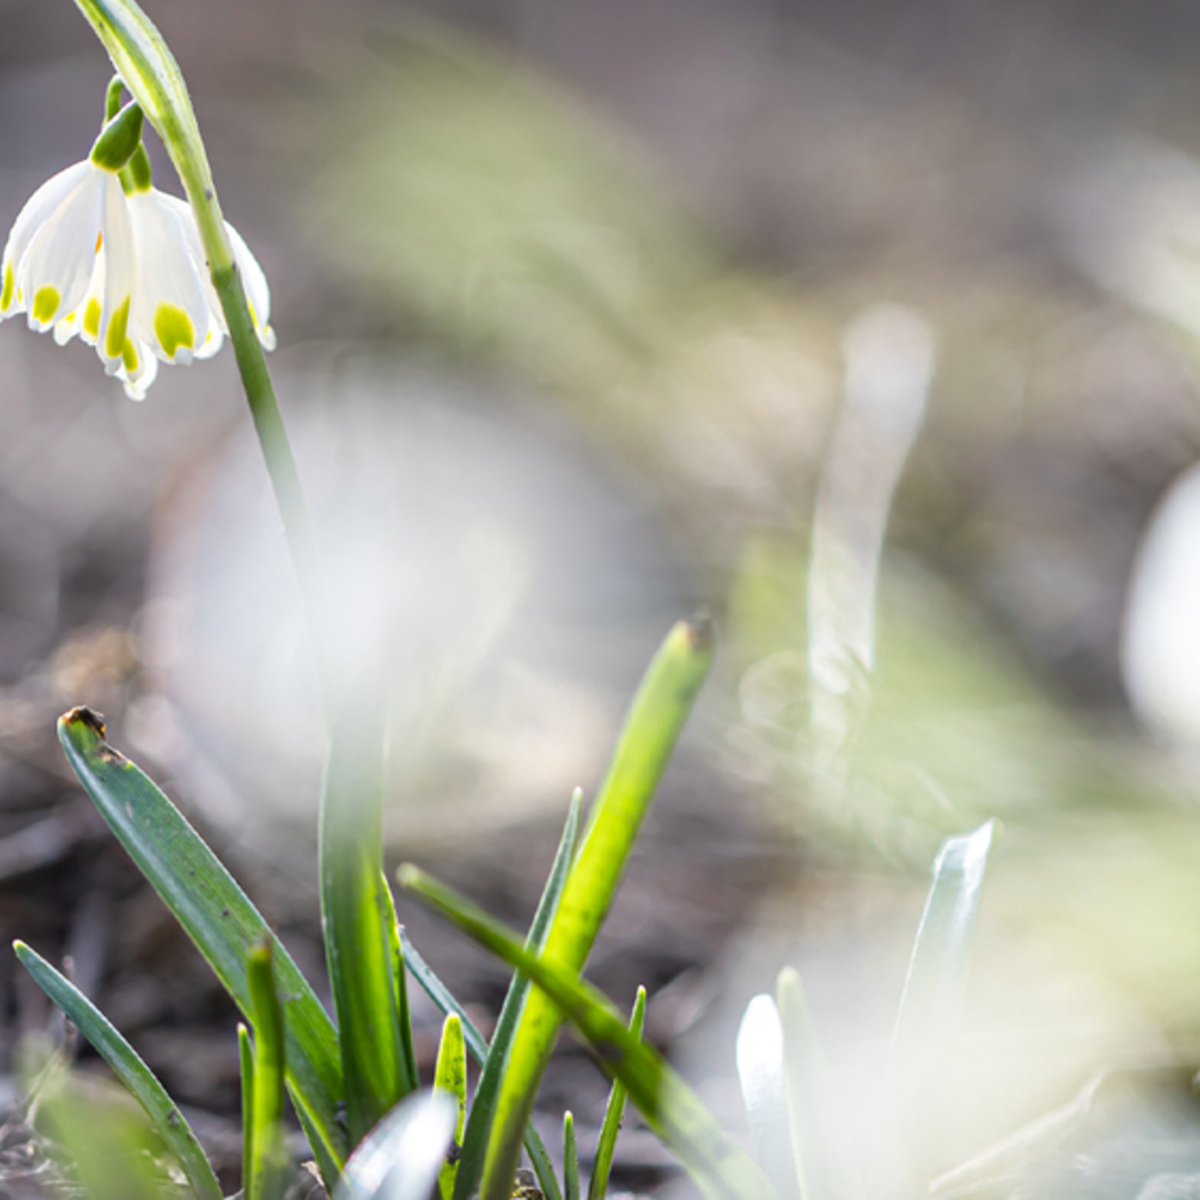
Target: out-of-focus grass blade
129, 1068
931, 1006
470, 1167
105, 1136
355, 917
614, 1112
672, 1110
401, 1157
246, 1063
266, 1171
441, 995
570, 1158
450, 1078
937, 972
651, 730
217, 916
824, 1165
764, 1092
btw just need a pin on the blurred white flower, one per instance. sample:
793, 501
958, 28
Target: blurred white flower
127, 273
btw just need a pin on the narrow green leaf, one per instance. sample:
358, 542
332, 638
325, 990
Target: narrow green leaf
356, 918
570, 1158
651, 730
267, 1168
441, 995
672, 1110
410, 1073
824, 1162
470, 1167
764, 1092
450, 1077
614, 1113
246, 1063
129, 1069
217, 916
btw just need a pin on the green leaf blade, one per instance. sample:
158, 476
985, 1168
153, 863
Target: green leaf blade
474, 1142
825, 1166
477, 1046
216, 914
614, 1112
655, 721
450, 1078
129, 1067
356, 915
669, 1106
267, 1166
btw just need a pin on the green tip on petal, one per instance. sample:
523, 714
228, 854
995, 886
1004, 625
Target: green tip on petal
114, 342
10, 288
174, 329
45, 303
91, 318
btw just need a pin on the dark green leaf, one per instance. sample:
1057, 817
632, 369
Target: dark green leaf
129, 1069
218, 917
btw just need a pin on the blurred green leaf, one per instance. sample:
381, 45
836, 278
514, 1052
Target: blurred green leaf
672, 1110
401, 1157
217, 916
931, 1005
824, 1165
110, 1147
129, 1068
763, 1082
655, 720
356, 916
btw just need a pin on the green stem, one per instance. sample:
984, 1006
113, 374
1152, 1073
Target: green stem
153, 78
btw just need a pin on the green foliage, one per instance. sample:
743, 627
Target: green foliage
652, 727
613, 1113
450, 1077
265, 1167
668, 1105
129, 1068
358, 920
218, 917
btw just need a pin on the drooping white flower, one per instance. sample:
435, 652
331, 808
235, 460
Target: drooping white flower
126, 273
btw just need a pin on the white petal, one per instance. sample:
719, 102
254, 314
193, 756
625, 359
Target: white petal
143, 372
36, 211
171, 312
119, 275
84, 319
53, 274
254, 281
258, 293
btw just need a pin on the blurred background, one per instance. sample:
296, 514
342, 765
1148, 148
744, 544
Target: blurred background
872, 328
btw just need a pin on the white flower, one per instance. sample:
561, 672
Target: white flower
125, 273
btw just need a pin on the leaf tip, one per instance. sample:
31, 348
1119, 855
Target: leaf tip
83, 716
699, 630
